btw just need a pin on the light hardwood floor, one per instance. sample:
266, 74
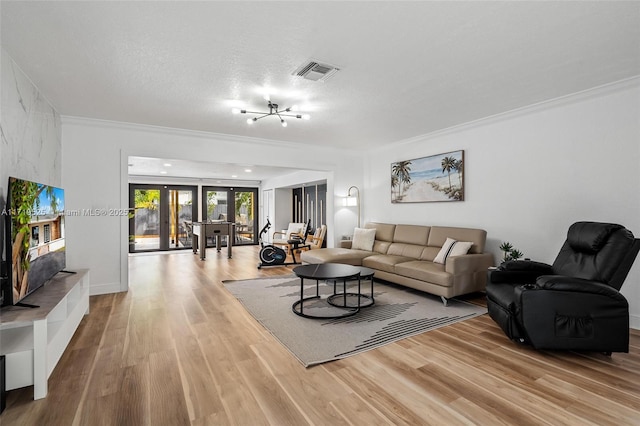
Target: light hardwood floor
178, 349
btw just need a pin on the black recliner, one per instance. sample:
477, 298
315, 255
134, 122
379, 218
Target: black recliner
574, 304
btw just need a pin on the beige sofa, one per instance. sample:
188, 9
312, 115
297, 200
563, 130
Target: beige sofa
404, 254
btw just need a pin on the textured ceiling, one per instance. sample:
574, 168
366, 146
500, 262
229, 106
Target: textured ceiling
407, 68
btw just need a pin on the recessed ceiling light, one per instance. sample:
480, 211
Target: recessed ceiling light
247, 170
234, 176
163, 172
167, 164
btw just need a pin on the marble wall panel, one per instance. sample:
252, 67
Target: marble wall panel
30, 130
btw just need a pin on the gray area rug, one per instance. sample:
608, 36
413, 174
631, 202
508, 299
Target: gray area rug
397, 313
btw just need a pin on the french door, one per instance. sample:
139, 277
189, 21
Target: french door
239, 205
161, 216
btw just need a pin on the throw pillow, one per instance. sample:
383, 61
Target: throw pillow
452, 248
363, 239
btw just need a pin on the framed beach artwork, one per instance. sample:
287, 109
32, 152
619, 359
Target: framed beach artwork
435, 178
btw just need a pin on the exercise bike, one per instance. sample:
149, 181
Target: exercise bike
271, 255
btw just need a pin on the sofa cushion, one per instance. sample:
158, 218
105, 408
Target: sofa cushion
411, 234
363, 239
381, 246
378, 246
384, 231
429, 253
407, 250
335, 255
452, 248
439, 235
425, 271
384, 262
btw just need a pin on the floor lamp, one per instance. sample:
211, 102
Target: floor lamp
351, 201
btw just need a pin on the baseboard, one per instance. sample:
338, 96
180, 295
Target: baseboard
634, 322
108, 288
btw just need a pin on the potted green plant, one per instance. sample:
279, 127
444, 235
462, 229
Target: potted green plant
510, 252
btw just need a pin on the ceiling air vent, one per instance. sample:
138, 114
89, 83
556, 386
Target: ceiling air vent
315, 71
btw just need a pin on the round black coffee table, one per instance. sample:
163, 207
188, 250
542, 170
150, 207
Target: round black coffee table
334, 272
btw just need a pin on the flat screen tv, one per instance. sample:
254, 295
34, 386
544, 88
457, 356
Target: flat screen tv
35, 237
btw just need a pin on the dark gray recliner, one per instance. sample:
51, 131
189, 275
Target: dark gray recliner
574, 304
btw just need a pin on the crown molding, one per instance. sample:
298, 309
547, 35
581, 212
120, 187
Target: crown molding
595, 92
199, 134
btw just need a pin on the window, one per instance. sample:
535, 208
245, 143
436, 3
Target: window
35, 236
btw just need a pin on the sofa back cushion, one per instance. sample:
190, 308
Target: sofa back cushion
439, 235
422, 242
409, 241
411, 234
384, 231
384, 236
406, 250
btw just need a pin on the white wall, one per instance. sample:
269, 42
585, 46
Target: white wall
531, 173
95, 177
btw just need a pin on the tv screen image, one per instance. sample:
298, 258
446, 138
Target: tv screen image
35, 238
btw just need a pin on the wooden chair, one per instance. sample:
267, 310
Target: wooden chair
316, 240
282, 238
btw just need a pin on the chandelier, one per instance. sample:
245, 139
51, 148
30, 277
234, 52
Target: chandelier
273, 111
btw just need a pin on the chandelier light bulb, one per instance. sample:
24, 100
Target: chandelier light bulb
284, 123
306, 117
250, 120
235, 110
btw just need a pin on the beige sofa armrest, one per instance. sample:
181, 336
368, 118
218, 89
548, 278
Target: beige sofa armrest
345, 244
468, 263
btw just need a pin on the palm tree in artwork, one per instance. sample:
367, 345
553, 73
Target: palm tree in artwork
406, 179
448, 164
401, 170
458, 168
394, 183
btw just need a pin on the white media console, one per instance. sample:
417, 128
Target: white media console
33, 339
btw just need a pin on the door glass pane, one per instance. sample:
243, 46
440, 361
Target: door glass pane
180, 212
217, 208
244, 208
216, 205
146, 219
